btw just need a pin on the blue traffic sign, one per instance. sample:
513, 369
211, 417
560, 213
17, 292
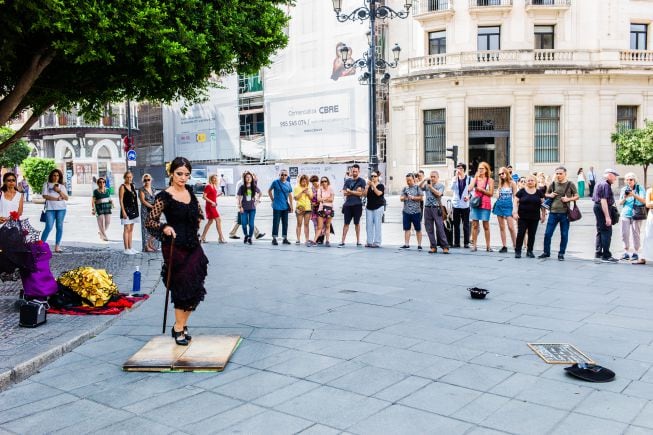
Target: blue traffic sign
131, 155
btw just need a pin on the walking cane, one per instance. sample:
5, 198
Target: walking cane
165, 308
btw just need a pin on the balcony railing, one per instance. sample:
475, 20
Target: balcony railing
523, 59
71, 120
475, 4
427, 6
636, 56
548, 2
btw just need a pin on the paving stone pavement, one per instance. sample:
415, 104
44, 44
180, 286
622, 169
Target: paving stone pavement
348, 340
24, 350
365, 341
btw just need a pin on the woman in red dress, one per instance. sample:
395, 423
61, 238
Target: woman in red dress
210, 195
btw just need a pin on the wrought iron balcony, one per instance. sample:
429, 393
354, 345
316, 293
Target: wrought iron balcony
548, 3
526, 59
422, 7
475, 4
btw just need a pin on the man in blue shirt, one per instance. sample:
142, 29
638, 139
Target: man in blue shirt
354, 189
280, 192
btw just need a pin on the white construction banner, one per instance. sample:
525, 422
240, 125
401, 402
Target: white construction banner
206, 131
315, 108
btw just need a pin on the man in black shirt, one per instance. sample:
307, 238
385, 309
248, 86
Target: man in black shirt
353, 190
603, 204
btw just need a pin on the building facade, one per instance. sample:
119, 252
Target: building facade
531, 83
82, 149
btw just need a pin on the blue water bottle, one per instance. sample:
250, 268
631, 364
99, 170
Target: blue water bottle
136, 288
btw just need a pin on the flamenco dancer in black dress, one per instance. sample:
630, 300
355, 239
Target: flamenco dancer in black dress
189, 264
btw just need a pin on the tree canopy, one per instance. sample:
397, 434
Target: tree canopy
15, 154
90, 53
635, 146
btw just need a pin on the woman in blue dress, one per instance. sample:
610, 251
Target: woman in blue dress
503, 207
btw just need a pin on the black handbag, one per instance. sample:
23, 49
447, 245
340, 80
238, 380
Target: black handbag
639, 211
614, 214
42, 218
475, 202
33, 314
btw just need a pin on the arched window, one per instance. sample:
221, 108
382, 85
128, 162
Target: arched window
103, 161
103, 153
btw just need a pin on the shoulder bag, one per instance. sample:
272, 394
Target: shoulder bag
475, 202
573, 213
639, 211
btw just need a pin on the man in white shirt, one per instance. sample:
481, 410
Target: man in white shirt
460, 187
591, 179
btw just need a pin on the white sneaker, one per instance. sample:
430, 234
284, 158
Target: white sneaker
128, 252
134, 252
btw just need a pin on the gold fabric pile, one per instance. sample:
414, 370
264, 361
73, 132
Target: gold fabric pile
95, 286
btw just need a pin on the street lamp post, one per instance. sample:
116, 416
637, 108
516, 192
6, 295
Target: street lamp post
370, 61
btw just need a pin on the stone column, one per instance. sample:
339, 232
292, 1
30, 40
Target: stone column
571, 137
456, 125
603, 150
522, 137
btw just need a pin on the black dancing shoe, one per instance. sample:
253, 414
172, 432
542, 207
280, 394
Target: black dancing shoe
188, 337
180, 337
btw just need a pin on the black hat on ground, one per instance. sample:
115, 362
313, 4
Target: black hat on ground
590, 372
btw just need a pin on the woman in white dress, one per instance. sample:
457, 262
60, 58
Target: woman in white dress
11, 200
647, 242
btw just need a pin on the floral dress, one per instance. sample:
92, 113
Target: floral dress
150, 243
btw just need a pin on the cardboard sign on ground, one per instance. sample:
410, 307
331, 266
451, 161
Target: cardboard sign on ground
559, 353
204, 353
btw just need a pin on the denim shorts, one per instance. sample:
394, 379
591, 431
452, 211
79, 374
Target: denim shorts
415, 219
479, 214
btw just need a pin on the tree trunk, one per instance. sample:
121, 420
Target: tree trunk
13, 99
13, 139
645, 169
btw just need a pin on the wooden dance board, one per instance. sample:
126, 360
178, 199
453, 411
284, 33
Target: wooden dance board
204, 353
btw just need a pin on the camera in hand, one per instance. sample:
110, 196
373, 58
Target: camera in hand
628, 191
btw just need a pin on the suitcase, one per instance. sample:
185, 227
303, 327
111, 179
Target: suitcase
33, 314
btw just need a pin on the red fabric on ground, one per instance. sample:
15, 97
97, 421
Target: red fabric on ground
112, 308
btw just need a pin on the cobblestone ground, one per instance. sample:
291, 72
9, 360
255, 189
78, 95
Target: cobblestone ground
19, 345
